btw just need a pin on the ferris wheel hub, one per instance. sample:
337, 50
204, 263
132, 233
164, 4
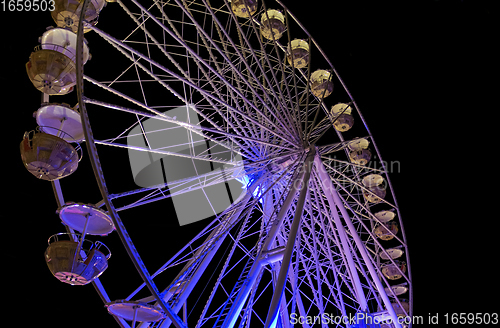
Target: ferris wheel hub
75, 260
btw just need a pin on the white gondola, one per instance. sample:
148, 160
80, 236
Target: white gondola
75, 260
374, 188
385, 216
393, 253
386, 231
52, 66
61, 120
67, 13
321, 83
244, 8
359, 152
63, 41
396, 289
298, 53
343, 119
394, 271
48, 157
273, 25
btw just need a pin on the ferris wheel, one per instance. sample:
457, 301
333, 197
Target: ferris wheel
227, 111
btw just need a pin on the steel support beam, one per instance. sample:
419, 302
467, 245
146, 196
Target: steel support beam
292, 236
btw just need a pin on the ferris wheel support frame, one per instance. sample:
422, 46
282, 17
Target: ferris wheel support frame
335, 202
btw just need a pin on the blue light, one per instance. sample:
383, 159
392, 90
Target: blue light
274, 323
247, 181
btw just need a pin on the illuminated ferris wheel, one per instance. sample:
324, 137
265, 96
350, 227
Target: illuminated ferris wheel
227, 110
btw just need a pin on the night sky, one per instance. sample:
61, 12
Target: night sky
420, 72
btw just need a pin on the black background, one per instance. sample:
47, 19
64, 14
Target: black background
422, 75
